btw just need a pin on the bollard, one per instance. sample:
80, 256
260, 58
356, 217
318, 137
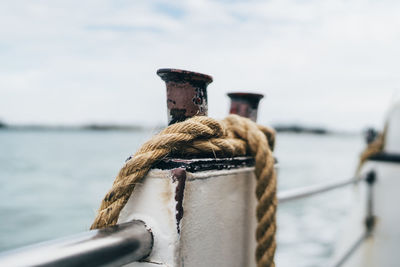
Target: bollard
245, 104
186, 93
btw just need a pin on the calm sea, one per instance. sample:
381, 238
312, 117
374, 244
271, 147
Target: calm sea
52, 183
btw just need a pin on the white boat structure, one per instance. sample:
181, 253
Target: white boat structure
375, 205
201, 212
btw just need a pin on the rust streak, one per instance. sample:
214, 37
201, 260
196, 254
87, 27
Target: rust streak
179, 175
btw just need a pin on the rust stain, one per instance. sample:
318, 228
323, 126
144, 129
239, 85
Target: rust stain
179, 176
177, 115
245, 104
186, 93
166, 196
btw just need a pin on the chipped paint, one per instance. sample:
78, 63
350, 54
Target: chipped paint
204, 208
199, 165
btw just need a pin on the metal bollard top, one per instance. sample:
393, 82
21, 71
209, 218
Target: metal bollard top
186, 93
245, 104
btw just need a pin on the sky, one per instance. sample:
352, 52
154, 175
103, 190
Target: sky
329, 63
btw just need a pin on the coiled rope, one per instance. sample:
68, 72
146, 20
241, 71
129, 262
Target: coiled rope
203, 136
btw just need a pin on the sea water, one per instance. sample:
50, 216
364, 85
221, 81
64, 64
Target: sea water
52, 182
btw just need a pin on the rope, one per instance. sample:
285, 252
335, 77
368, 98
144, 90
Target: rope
373, 148
203, 136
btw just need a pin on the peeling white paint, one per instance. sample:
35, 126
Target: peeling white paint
218, 224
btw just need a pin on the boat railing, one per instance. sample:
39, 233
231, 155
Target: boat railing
112, 246
133, 241
308, 191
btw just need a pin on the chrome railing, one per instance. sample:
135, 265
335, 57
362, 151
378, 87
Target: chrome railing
353, 248
112, 246
293, 194
369, 221
308, 191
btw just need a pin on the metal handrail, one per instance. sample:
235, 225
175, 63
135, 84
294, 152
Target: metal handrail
302, 192
308, 191
353, 248
369, 222
112, 246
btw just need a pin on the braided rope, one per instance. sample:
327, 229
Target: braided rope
233, 136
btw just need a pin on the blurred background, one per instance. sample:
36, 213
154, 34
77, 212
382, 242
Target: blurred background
66, 66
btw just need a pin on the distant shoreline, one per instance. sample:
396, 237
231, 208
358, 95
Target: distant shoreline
301, 129
89, 127
279, 128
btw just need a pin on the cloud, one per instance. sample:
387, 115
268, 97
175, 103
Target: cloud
330, 63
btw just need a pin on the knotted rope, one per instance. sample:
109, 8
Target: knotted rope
203, 136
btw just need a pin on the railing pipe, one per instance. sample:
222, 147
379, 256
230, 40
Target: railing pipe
293, 194
186, 93
370, 179
346, 256
112, 246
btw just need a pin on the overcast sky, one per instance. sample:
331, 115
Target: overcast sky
331, 63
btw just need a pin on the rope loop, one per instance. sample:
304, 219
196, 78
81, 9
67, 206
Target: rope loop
205, 137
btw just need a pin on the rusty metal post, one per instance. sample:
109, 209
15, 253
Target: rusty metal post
186, 93
245, 104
